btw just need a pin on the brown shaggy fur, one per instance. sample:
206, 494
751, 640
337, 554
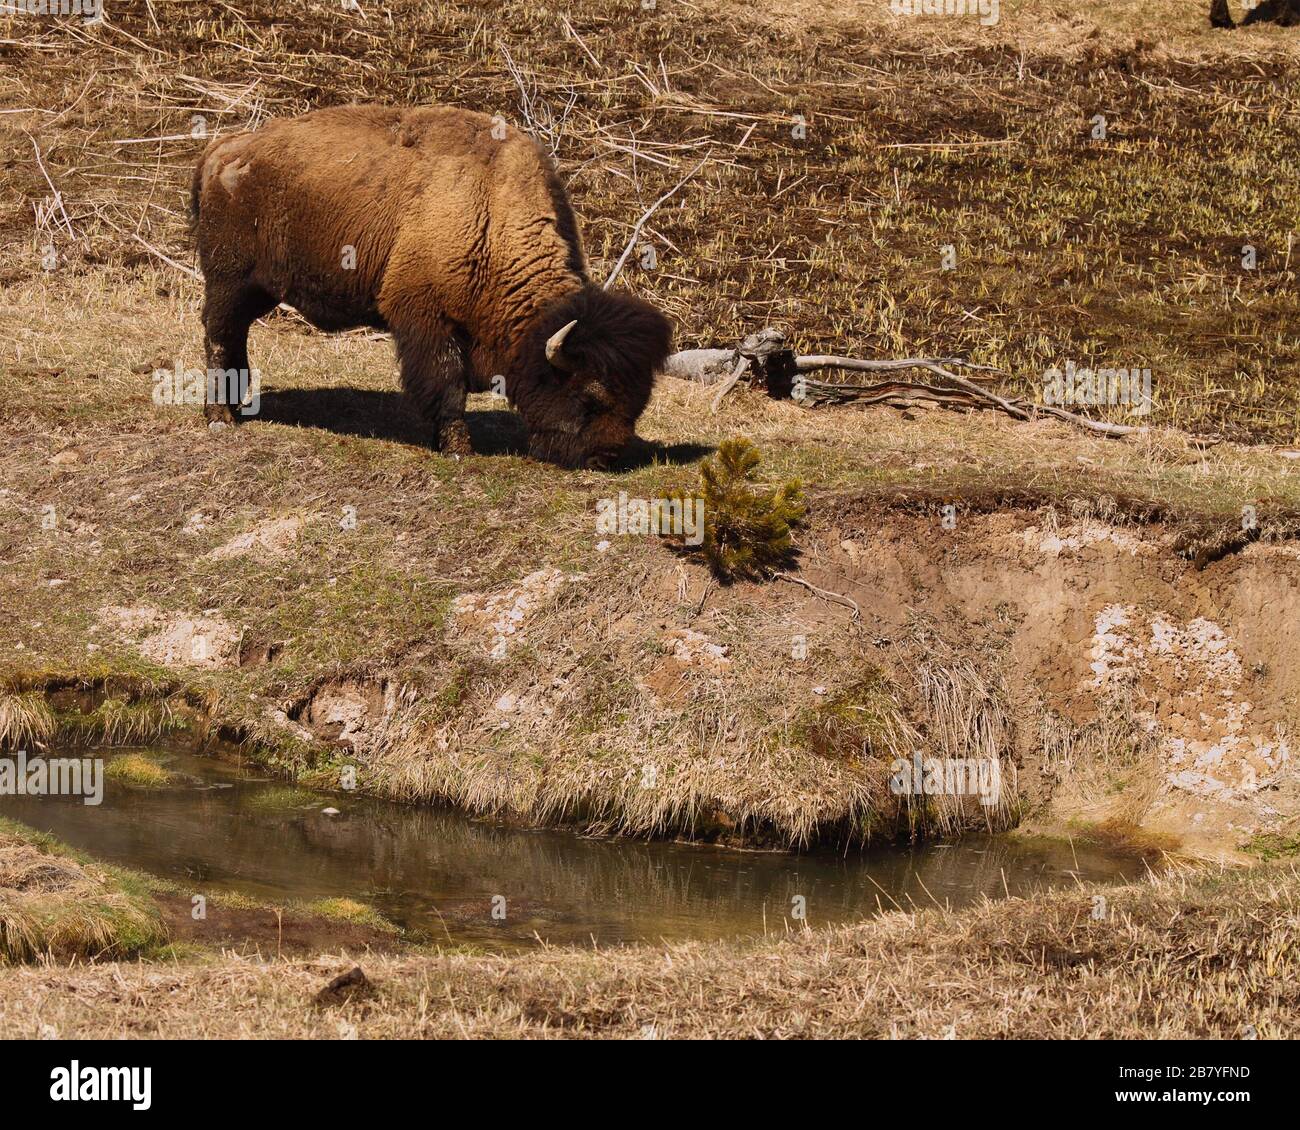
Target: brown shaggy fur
465, 247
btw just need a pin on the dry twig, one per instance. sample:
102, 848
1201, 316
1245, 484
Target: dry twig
825, 594
636, 230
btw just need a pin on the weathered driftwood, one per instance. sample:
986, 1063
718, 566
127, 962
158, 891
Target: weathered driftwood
765, 358
703, 366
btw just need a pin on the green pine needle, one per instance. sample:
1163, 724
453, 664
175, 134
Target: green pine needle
747, 526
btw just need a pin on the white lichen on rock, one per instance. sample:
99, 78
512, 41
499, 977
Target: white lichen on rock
502, 617
1186, 683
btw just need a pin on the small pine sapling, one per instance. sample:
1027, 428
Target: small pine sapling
747, 525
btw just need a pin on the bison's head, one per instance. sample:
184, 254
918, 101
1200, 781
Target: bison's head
585, 375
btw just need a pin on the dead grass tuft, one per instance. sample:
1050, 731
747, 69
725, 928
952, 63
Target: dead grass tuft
54, 907
138, 771
25, 720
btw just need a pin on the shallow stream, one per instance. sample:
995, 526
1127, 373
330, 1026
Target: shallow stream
220, 826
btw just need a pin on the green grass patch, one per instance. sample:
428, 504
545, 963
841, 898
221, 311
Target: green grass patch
1271, 845
138, 771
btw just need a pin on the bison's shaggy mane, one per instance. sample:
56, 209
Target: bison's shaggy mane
619, 340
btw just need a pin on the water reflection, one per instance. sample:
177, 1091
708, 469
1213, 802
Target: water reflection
438, 872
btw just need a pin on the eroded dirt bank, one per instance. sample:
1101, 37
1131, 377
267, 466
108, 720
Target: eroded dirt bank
1136, 689
1119, 686
1121, 690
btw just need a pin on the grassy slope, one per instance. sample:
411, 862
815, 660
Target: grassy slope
921, 133
143, 496
832, 242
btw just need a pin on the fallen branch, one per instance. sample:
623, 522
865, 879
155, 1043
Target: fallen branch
825, 594
194, 274
1101, 426
703, 366
636, 230
754, 352
765, 357
817, 361
742, 363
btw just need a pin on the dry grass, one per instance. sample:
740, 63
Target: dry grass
121, 722
25, 719
52, 906
41, 707
968, 720
1206, 955
921, 133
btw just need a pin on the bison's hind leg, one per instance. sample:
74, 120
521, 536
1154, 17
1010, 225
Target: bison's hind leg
228, 312
435, 376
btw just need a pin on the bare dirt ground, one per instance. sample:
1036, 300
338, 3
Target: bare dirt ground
1112, 620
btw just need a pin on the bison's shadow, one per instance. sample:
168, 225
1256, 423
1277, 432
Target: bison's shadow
378, 414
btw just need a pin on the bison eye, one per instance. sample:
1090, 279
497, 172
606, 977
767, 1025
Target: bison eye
596, 392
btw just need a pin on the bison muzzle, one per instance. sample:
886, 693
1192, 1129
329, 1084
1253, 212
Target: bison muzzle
446, 228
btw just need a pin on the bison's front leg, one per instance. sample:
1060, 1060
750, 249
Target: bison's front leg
434, 376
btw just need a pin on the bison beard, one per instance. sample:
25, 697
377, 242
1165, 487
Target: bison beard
450, 232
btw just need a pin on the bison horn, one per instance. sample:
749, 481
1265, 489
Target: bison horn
555, 343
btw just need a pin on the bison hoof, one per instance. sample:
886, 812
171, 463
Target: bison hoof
454, 440
218, 414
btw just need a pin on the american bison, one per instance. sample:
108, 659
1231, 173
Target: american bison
1283, 12
452, 231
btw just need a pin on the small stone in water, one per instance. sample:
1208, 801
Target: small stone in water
329, 811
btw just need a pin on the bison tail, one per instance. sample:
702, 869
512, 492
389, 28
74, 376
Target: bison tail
196, 190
